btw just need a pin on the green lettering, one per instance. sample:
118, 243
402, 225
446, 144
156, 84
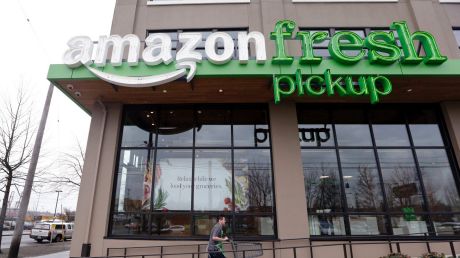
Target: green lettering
351, 89
279, 35
298, 80
309, 86
277, 91
374, 92
432, 52
333, 86
382, 42
355, 42
308, 57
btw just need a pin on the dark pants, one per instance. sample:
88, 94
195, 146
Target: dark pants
215, 254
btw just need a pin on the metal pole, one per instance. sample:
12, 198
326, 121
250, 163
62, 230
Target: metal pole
55, 207
16, 241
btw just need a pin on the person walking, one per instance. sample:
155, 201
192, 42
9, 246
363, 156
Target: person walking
216, 239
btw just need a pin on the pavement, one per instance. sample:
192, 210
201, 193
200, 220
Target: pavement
30, 248
64, 254
25, 241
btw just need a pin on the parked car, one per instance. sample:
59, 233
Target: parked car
52, 231
28, 225
9, 225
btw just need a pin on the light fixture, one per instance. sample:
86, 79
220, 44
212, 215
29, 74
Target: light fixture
153, 123
347, 177
70, 86
409, 90
148, 115
199, 111
78, 94
221, 90
165, 91
151, 112
171, 112
323, 177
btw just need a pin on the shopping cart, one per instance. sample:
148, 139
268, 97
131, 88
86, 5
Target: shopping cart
246, 249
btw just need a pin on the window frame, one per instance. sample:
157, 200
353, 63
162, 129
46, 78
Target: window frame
193, 213
458, 30
386, 212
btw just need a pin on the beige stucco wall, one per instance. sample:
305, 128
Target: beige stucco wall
287, 169
135, 16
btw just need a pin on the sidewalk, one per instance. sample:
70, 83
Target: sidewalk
64, 254
11, 232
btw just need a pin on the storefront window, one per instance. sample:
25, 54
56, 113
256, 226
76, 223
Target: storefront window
131, 187
351, 128
326, 225
400, 178
446, 224
383, 171
253, 181
410, 224
254, 226
213, 180
173, 180
361, 180
130, 224
439, 182
181, 166
322, 181
367, 225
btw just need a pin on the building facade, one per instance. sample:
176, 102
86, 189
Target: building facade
162, 162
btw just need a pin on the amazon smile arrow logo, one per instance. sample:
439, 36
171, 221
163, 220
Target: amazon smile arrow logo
148, 81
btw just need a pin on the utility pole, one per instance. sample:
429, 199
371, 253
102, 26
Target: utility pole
55, 207
16, 241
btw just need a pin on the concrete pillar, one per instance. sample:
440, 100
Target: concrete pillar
124, 17
431, 17
451, 112
291, 207
94, 198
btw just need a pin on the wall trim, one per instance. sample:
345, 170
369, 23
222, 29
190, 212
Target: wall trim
179, 2
350, 1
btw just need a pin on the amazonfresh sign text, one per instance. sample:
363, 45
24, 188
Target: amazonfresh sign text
345, 47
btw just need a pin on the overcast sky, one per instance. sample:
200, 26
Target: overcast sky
26, 50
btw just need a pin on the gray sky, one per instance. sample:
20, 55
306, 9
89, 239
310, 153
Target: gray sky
27, 49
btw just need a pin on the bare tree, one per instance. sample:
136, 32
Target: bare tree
72, 161
367, 189
259, 186
322, 187
16, 134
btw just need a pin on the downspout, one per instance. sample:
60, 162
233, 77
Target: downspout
86, 246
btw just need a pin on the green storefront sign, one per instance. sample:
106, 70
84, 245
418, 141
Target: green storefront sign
357, 67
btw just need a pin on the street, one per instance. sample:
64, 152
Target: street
25, 241
30, 248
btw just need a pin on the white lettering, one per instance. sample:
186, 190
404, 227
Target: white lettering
118, 45
79, 52
259, 44
190, 41
155, 42
211, 48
